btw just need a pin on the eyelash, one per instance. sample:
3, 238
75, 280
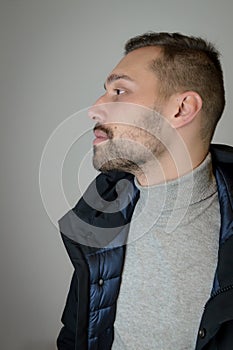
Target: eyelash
119, 91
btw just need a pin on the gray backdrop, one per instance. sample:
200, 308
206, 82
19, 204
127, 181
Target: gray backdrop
54, 58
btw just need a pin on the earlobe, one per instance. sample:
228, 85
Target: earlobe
188, 106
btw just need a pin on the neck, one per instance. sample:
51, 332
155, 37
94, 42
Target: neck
169, 166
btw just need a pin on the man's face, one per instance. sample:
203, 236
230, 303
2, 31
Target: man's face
128, 129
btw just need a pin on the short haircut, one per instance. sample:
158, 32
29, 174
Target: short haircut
187, 63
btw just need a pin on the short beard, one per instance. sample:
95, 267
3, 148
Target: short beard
118, 164
120, 155
126, 153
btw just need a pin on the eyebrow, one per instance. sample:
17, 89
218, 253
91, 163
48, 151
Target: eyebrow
113, 77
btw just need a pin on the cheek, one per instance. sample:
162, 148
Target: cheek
137, 135
128, 132
142, 128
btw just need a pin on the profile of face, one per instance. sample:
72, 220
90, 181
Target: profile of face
129, 122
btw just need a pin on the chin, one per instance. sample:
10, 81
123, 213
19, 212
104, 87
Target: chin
104, 167
116, 164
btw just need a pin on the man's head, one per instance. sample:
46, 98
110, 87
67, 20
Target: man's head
178, 76
187, 64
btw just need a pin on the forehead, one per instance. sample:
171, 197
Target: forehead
137, 61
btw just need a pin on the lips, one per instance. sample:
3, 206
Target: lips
100, 136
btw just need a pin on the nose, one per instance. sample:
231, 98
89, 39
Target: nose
97, 111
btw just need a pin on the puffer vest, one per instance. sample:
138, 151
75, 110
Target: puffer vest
95, 232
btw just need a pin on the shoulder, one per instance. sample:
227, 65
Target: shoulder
221, 153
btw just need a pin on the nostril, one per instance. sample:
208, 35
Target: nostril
94, 116
97, 113
91, 113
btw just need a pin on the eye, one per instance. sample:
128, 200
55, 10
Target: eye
119, 91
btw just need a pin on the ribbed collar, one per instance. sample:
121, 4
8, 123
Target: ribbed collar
167, 204
186, 190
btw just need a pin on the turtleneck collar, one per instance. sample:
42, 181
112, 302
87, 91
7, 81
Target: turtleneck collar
186, 190
166, 204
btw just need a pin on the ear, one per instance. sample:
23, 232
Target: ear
188, 104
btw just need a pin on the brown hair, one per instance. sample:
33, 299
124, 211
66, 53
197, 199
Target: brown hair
187, 63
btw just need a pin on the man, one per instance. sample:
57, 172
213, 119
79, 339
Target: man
152, 237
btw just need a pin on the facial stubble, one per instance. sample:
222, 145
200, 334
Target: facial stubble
131, 148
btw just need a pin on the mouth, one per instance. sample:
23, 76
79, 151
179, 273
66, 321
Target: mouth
100, 136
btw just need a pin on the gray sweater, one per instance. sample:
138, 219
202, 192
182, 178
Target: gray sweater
170, 263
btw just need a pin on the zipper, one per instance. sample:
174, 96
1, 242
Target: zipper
220, 291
